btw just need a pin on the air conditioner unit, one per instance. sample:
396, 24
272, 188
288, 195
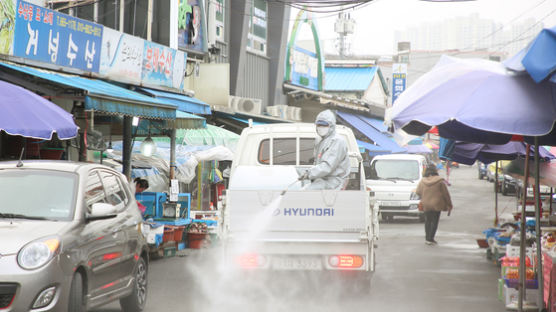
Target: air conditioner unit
215, 27
293, 113
246, 105
273, 111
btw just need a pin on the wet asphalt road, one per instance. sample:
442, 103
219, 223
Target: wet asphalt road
410, 275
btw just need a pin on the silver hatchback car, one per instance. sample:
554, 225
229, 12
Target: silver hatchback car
70, 238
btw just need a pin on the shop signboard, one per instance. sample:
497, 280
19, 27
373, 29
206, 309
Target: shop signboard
163, 66
399, 76
191, 26
122, 56
7, 26
305, 61
304, 68
51, 37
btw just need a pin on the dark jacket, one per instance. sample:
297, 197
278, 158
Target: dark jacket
434, 194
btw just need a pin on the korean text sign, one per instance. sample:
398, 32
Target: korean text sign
163, 66
399, 75
51, 37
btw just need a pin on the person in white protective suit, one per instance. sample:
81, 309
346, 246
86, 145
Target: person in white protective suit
331, 166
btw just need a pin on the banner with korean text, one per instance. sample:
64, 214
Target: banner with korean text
399, 76
51, 37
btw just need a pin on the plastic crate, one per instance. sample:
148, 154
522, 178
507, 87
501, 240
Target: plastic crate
529, 284
153, 201
169, 251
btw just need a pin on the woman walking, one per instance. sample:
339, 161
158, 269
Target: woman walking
435, 198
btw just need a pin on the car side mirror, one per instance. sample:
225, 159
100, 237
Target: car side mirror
100, 211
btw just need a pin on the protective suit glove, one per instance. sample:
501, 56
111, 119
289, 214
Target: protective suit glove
304, 176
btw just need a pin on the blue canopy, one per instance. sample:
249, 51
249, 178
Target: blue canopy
373, 134
106, 97
183, 102
538, 58
27, 114
372, 149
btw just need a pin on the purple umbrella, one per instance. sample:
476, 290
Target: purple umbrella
475, 100
27, 114
468, 153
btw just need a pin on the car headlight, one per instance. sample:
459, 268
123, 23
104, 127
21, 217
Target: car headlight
414, 196
38, 253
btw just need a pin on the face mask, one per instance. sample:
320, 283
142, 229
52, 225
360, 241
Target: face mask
322, 131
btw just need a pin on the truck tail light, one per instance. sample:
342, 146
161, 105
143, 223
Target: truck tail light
345, 261
250, 260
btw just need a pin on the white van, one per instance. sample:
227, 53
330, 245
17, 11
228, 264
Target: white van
393, 180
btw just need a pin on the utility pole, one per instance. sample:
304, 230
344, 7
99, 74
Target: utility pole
344, 26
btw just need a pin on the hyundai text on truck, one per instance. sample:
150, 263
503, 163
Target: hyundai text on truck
265, 228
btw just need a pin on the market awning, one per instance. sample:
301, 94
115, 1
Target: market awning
246, 121
29, 115
185, 103
372, 149
236, 121
183, 121
371, 132
103, 96
328, 99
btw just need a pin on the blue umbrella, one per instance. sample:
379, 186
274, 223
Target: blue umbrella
477, 101
27, 114
538, 58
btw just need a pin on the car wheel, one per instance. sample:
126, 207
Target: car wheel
504, 189
76, 294
135, 302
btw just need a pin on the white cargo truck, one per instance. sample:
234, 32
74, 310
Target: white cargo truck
265, 228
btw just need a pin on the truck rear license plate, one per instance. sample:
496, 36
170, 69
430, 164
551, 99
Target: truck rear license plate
297, 263
390, 203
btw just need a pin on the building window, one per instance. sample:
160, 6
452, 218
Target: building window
256, 38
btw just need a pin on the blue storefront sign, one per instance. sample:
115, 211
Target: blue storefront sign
163, 66
399, 75
51, 37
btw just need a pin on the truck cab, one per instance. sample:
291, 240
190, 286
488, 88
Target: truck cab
393, 179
